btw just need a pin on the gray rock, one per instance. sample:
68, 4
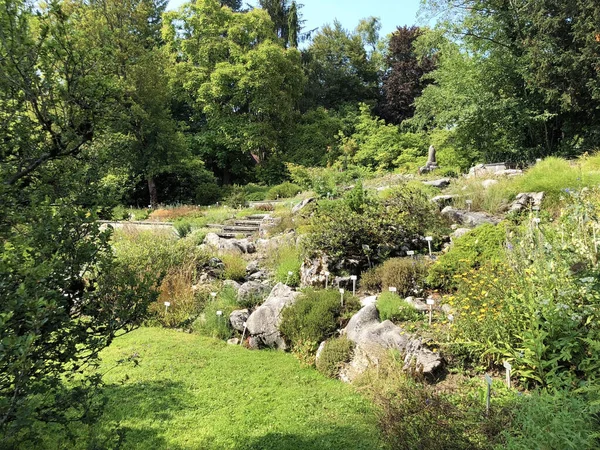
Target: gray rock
232, 284
468, 218
418, 303
319, 351
252, 291
440, 184
373, 337
460, 232
233, 341
237, 246
252, 267
526, 200
257, 276
302, 204
312, 271
263, 323
368, 300
488, 183
487, 169
443, 200
237, 319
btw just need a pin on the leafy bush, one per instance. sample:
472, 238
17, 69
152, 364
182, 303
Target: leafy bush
172, 262
335, 352
316, 316
554, 421
414, 415
217, 325
284, 190
326, 181
286, 259
370, 279
182, 228
379, 231
235, 267
236, 198
392, 307
483, 245
539, 309
407, 275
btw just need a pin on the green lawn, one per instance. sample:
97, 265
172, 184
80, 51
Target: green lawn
190, 392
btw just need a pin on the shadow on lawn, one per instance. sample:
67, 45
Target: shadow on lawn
336, 438
143, 403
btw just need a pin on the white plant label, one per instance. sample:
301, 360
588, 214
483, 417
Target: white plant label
167, 304
353, 277
219, 313
392, 289
429, 238
430, 301
410, 253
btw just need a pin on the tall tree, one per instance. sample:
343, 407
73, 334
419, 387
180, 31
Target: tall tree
241, 81
403, 80
540, 90
63, 297
286, 20
128, 36
339, 69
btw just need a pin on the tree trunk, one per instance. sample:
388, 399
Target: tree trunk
153, 193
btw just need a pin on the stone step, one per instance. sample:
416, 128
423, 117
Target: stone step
234, 229
258, 217
248, 223
226, 235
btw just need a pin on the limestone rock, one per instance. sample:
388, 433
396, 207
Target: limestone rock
488, 183
460, 232
251, 291
232, 284
302, 204
443, 200
237, 319
233, 341
526, 200
373, 337
468, 218
237, 246
312, 271
440, 184
263, 323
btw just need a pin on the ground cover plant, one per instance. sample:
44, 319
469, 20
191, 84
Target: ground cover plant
188, 391
393, 307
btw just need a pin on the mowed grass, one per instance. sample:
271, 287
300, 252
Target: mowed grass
191, 392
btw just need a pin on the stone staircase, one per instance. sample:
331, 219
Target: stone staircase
245, 227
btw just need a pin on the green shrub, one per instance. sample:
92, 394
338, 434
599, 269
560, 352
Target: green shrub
316, 316
236, 198
210, 323
283, 260
370, 279
235, 267
182, 228
284, 190
335, 352
392, 307
407, 275
483, 245
415, 415
381, 229
551, 421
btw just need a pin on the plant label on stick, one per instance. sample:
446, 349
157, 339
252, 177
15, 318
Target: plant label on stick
488, 396
326, 280
342, 296
353, 278
410, 253
167, 304
429, 239
392, 289
430, 302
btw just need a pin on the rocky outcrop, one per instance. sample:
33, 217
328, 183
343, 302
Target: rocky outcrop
372, 338
232, 284
469, 218
239, 246
443, 200
263, 323
526, 200
313, 271
251, 291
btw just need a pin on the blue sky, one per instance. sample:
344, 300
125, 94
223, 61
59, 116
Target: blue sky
392, 13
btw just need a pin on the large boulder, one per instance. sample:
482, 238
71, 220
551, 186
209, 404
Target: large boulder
237, 319
237, 246
263, 323
469, 218
250, 291
313, 271
372, 338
